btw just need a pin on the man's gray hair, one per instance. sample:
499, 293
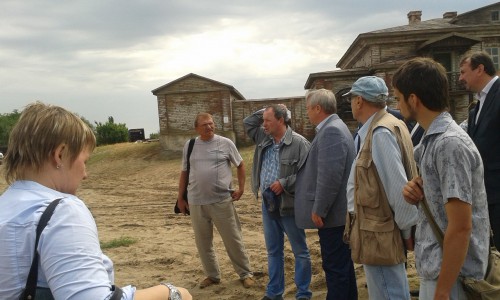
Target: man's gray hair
324, 98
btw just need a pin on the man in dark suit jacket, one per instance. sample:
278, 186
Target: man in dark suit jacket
416, 134
320, 192
478, 73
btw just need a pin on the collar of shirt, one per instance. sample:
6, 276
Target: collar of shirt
277, 145
33, 185
482, 95
322, 123
363, 131
439, 124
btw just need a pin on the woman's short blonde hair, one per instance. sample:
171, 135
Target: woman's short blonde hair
40, 129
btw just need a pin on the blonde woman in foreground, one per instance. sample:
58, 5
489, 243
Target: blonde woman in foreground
45, 161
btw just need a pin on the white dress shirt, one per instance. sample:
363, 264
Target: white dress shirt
71, 261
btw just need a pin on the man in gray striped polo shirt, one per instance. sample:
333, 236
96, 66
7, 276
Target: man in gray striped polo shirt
452, 180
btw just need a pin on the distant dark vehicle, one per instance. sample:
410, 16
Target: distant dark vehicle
136, 135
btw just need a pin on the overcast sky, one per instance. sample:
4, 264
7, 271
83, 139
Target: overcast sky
102, 58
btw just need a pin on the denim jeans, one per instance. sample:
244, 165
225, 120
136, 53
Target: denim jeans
337, 265
274, 231
387, 282
428, 288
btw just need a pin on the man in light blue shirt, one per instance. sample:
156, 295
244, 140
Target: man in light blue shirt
384, 145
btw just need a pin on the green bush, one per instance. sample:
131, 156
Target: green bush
7, 121
111, 132
154, 136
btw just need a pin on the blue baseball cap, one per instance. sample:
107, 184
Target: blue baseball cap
371, 88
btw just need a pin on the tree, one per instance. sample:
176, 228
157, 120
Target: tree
154, 136
110, 132
87, 122
7, 121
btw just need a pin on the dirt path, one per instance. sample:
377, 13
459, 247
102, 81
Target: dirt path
131, 191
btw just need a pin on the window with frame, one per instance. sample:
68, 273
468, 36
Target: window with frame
495, 16
494, 53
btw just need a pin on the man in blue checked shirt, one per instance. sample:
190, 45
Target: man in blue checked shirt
279, 153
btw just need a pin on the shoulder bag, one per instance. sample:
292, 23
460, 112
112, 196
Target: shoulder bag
190, 150
484, 289
30, 291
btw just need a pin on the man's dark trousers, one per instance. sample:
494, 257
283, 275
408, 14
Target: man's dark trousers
337, 264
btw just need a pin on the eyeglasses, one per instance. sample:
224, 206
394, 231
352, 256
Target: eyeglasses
350, 97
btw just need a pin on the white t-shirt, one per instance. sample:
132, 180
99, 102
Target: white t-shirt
210, 176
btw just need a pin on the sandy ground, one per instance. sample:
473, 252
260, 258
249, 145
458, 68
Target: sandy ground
131, 191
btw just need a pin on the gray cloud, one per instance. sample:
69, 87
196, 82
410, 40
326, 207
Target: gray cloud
102, 58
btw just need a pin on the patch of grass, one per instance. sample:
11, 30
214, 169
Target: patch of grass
126, 151
247, 154
123, 241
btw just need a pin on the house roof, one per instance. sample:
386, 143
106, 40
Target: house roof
336, 73
230, 87
446, 25
465, 38
465, 14
276, 99
422, 25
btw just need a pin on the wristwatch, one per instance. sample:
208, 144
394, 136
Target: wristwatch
174, 292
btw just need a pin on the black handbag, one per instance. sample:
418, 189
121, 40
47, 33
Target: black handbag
31, 290
185, 194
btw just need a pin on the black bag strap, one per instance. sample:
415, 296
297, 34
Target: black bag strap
117, 293
29, 292
188, 156
190, 150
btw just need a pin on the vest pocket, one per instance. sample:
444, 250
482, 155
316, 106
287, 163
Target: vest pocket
379, 241
376, 224
368, 194
375, 238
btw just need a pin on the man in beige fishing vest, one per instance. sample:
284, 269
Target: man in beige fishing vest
380, 219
